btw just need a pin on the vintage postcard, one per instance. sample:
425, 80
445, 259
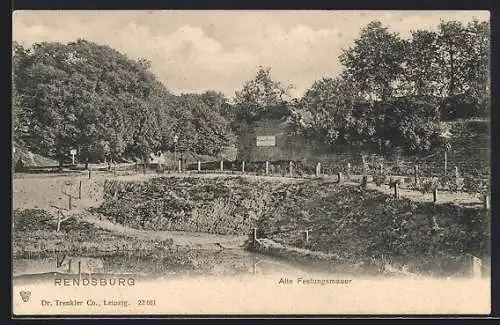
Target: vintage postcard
250, 162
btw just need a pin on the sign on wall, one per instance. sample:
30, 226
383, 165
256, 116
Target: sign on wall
266, 141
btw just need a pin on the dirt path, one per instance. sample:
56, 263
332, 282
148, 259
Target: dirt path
192, 239
460, 198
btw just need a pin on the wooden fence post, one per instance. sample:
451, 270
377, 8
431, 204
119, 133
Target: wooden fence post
290, 165
457, 175
243, 166
80, 270
415, 171
180, 166
199, 166
476, 267
445, 162
58, 222
254, 237
306, 233
364, 169
60, 219
348, 170
339, 175
222, 165
396, 190
90, 172
318, 169
69, 266
69, 201
435, 195
364, 181
486, 202
80, 191
267, 167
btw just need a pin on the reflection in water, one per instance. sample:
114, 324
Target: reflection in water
190, 262
193, 262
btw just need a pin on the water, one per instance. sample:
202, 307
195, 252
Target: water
182, 263
193, 262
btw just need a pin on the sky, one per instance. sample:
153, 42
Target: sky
196, 51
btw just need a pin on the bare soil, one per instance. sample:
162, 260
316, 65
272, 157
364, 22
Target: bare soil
189, 239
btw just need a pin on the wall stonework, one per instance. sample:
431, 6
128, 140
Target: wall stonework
286, 148
470, 150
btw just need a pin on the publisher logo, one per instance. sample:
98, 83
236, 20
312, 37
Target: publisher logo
25, 295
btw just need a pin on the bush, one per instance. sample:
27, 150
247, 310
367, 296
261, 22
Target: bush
225, 206
31, 220
380, 176
428, 185
474, 185
401, 231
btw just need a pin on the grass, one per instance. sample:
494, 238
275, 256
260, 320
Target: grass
357, 226
35, 239
34, 234
220, 205
370, 227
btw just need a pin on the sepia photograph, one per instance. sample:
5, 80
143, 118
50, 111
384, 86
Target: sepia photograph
250, 162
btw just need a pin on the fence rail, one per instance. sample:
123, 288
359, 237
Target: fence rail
282, 168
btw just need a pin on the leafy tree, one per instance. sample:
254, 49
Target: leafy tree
330, 110
464, 66
261, 95
91, 97
478, 67
215, 100
219, 103
422, 68
412, 124
20, 114
144, 63
203, 130
86, 96
453, 50
376, 61
392, 90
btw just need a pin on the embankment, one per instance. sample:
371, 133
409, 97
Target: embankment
359, 227
220, 205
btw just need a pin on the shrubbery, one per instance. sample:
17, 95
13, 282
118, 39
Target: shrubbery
189, 204
359, 226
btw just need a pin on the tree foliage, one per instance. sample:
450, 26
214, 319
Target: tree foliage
375, 62
90, 97
332, 111
203, 129
262, 96
393, 93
